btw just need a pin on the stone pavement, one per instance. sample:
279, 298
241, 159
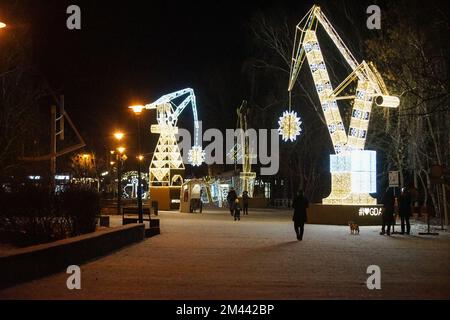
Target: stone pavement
210, 256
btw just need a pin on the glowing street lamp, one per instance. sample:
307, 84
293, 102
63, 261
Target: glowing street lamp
137, 109
119, 135
2, 25
121, 150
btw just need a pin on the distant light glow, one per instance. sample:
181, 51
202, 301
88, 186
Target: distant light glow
196, 156
34, 177
121, 150
289, 126
2, 25
62, 177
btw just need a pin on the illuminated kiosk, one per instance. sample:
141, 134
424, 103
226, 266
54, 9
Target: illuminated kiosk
353, 169
167, 168
194, 189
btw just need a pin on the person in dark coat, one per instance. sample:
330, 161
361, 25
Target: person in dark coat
300, 204
237, 210
231, 198
405, 210
388, 212
245, 202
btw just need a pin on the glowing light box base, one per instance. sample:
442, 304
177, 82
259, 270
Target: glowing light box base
353, 177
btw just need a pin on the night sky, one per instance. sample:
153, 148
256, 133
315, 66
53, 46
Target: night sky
136, 51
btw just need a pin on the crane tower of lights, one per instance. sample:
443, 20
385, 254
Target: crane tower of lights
353, 169
167, 161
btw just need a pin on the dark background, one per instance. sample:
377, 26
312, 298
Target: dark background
135, 51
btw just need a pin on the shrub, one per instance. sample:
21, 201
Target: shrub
31, 215
83, 207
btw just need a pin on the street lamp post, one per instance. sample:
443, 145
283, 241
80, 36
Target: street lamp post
119, 194
120, 151
139, 189
137, 111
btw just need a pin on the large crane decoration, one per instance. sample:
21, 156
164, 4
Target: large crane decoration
242, 151
167, 164
353, 169
247, 177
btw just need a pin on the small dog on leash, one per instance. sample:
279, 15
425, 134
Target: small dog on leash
354, 228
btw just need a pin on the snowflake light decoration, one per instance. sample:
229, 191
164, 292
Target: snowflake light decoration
196, 156
289, 126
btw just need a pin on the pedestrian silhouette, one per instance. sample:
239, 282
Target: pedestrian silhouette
405, 210
237, 210
388, 212
300, 204
231, 198
245, 198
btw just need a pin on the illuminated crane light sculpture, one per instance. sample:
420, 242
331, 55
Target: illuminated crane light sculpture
167, 162
247, 176
353, 169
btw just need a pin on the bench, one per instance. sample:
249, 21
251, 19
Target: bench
131, 215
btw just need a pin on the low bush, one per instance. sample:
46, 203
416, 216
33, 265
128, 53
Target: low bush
31, 215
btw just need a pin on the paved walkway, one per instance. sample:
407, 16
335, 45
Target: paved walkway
210, 256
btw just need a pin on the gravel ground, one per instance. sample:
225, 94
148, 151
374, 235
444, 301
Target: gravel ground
210, 256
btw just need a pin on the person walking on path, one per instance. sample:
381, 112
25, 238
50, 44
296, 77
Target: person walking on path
231, 198
405, 210
300, 204
388, 212
237, 210
245, 202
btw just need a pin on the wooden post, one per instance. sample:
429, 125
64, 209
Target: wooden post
61, 118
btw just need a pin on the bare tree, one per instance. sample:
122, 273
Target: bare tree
20, 91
